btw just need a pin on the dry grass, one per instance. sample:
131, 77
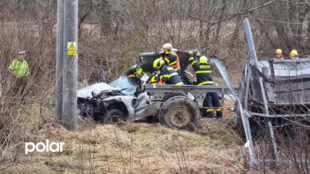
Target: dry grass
126, 148
130, 147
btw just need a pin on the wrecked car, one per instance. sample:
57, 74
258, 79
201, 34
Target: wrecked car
116, 101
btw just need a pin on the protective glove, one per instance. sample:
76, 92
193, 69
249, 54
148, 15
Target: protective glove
157, 54
196, 53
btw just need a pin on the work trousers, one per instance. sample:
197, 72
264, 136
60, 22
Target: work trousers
212, 102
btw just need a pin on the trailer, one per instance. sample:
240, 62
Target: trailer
196, 94
270, 90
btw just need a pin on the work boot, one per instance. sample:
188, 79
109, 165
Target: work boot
209, 114
219, 114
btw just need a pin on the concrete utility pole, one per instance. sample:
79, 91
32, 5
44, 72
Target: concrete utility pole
66, 66
59, 59
69, 109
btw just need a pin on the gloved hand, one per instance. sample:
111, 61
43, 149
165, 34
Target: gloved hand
196, 53
190, 52
157, 53
156, 77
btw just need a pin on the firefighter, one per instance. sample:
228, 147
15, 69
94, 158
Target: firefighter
166, 74
294, 54
136, 79
204, 77
171, 58
153, 79
279, 54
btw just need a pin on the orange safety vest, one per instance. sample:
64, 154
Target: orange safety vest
161, 82
177, 65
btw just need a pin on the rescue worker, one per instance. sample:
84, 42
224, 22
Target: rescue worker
166, 75
20, 69
204, 77
279, 54
294, 54
171, 58
136, 79
153, 79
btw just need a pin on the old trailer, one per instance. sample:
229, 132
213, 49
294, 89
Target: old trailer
270, 90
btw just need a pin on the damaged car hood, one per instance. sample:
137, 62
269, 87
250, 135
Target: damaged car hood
95, 89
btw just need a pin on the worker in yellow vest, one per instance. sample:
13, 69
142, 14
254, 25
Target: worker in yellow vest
20, 69
294, 55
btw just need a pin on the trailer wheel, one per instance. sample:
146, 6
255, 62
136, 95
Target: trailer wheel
180, 112
113, 116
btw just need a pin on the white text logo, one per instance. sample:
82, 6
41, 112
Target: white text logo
41, 147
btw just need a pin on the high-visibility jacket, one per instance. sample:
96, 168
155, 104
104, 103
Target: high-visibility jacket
19, 67
153, 80
203, 72
135, 80
168, 75
172, 60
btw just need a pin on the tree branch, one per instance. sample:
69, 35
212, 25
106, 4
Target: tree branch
235, 15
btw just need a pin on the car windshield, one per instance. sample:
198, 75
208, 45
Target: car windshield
123, 83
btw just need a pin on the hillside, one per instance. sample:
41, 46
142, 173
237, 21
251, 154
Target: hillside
134, 148
127, 147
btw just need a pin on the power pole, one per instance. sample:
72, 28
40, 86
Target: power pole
59, 59
69, 107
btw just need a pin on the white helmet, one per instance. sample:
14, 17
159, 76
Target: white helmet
203, 59
167, 46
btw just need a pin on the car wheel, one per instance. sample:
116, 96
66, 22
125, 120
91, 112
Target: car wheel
113, 116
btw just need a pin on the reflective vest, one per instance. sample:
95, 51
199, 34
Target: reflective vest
134, 79
153, 80
203, 72
172, 60
168, 75
19, 67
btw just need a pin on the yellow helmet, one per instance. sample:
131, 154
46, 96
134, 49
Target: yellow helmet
203, 59
293, 53
278, 51
158, 63
139, 71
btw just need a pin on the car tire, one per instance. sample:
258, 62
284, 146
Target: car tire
181, 113
113, 116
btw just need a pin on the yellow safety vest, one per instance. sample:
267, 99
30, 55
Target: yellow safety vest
19, 67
